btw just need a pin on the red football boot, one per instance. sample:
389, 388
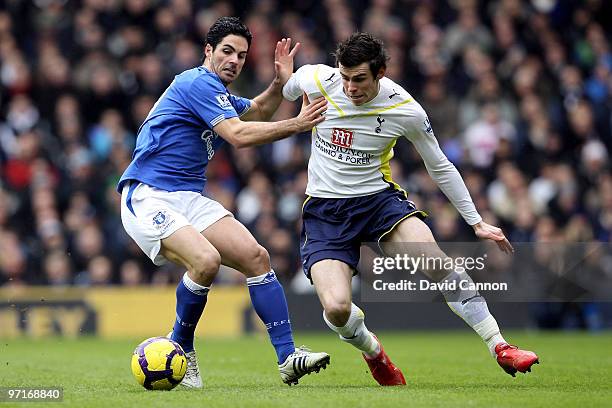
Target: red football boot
513, 359
383, 370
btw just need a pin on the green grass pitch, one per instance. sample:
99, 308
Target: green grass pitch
442, 369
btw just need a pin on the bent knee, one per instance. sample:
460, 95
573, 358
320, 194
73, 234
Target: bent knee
337, 311
255, 260
206, 264
261, 256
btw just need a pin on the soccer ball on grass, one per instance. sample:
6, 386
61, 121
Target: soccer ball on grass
159, 363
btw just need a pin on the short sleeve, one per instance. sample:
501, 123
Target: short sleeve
210, 101
295, 86
240, 104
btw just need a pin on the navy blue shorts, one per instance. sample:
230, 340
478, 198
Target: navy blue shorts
335, 228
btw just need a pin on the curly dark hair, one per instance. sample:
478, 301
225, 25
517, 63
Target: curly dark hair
360, 48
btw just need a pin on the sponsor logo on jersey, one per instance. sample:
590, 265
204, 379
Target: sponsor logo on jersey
208, 137
223, 101
342, 137
344, 154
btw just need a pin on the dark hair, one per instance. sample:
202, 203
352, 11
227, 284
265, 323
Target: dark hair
360, 48
225, 26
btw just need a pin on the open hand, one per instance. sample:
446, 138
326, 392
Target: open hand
312, 113
283, 60
488, 231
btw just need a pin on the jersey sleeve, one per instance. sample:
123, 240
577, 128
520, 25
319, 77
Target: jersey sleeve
240, 104
208, 100
441, 170
298, 83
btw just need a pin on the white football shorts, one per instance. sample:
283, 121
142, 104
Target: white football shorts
150, 215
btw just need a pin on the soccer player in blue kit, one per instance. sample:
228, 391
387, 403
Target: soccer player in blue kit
162, 205
353, 199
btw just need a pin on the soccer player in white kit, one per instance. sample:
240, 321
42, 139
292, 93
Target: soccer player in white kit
353, 199
162, 205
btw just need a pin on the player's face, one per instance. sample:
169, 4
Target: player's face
359, 84
228, 58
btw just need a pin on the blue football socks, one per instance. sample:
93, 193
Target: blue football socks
190, 301
269, 301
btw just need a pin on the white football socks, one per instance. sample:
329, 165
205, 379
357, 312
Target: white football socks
356, 333
489, 331
472, 308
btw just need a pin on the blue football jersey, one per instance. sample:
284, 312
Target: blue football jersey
176, 140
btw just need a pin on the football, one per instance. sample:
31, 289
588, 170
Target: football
159, 363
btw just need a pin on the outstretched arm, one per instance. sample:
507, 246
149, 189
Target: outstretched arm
265, 104
244, 134
448, 179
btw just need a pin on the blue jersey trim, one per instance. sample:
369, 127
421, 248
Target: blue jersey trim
128, 199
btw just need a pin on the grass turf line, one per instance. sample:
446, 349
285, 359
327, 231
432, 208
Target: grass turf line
442, 369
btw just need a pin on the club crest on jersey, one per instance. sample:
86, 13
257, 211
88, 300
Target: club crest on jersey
342, 137
162, 221
223, 101
159, 218
380, 121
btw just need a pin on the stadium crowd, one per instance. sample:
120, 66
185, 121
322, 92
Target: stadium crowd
518, 92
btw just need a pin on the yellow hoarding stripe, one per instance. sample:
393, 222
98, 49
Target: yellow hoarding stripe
145, 311
117, 312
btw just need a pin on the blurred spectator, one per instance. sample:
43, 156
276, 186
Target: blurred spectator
98, 272
519, 94
57, 269
13, 262
484, 138
466, 31
130, 273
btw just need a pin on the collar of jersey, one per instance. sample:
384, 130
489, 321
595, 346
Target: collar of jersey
214, 75
368, 103
368, 111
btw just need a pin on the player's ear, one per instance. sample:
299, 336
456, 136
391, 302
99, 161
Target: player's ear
381, 73
208, 50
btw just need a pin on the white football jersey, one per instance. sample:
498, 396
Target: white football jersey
352, 148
